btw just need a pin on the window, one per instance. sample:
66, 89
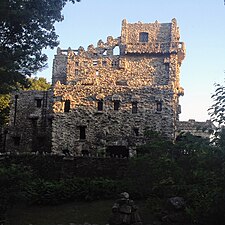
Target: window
159, 106
67, 106
115, 63
76, 72
143, 37
16, 140
100, 105
136, 131
134, 107
116, 50
95, 62
116, 105
104, 63
76, 63
82, 132
38, 103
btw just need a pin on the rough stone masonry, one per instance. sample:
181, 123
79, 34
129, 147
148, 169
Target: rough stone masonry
103, 101
108, 101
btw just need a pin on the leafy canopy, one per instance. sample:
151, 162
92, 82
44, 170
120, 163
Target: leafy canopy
217, 114
26, 27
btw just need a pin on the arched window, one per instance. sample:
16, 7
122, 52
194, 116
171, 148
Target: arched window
143, 37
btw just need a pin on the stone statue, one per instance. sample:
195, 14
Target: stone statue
124, 212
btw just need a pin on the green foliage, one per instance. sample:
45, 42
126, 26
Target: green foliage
217, 109
217, 114
45, 192
26, 27
156, 146
39, 84
12, 180
4, 108
190, 168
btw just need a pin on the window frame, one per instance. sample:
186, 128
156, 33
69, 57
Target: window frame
143, 37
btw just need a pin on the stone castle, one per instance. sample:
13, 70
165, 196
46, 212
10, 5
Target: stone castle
101, 101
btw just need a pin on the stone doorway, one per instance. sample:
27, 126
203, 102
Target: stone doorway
119, 151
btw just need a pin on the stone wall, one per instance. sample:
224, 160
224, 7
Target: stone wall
200, 129
144, 83
30, 122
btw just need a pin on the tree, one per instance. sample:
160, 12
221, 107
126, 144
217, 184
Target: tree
39, 84
217, 114
26, 27
217, 109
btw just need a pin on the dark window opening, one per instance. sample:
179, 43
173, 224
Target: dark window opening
136, 131
116, 50
95, 62
159, 106
67, 106
143, 37
134, 107
76, 63
16, 140
38, 103
115, 63
100, 105
117, 151
116, 105
76, 72
82, 132
104, 63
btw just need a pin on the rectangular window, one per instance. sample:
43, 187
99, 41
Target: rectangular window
136, 131
76, 63
115, 63
159, 106
95, 62
38, 103
100, 105
76, 72
116, 105
104, 63
143, 37
82, 132
134, 107
67, 106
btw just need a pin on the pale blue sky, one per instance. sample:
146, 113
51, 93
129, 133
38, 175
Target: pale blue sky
202, 28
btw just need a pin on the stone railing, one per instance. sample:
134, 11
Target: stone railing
157, 47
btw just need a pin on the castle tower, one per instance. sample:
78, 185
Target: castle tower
106, 101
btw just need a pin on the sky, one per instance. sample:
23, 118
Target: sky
202, 29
